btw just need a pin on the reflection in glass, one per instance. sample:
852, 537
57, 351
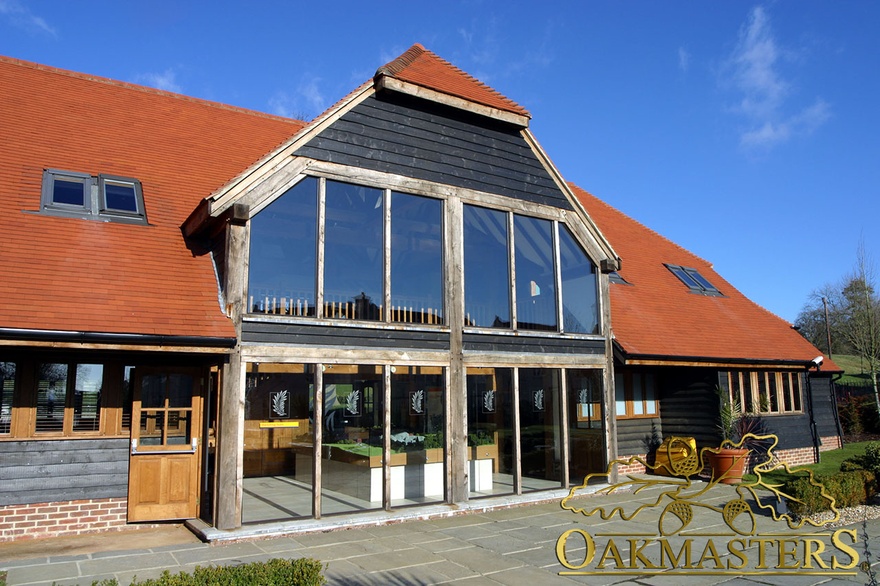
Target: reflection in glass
580, 308
152, 427
416, 259
486, 272
585, 423
68, 191
180, 390
166, 409
278, 442
127, 397
540, 429
535, 276
354, 252
490, 431
352, 450
179, 427
283, 245
88, 381
51, 397
7, 387
417, 435
153, 391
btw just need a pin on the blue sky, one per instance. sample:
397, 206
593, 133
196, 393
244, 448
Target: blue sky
749, 133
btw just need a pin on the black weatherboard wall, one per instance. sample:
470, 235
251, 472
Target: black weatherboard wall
63, 470
397, 134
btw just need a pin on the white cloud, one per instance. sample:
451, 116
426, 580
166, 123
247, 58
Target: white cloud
684, 59
306, 102
764, 95
161, 81
19, 16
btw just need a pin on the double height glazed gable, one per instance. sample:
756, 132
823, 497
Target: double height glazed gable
380, 258
522, 290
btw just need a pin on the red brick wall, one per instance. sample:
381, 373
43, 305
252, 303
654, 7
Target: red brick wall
61, 518
830, 443
792, 457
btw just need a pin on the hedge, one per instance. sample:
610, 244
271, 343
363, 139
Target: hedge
848, 488
275, 572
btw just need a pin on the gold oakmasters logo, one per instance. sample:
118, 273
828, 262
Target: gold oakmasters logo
704, 527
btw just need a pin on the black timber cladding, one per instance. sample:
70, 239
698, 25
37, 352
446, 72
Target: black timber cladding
63, 470
342, 335
405, 136
532, 345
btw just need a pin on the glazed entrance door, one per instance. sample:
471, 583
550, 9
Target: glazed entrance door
163, 480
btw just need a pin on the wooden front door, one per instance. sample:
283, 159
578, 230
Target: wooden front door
163, 478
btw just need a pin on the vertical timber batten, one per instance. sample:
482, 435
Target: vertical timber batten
456, 418
609, 416
230, 465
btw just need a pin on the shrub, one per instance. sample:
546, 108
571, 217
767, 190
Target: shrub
847, 488
275, 572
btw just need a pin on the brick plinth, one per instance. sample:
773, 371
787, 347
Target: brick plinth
34, 521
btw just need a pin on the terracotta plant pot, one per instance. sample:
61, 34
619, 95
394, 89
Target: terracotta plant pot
729, 465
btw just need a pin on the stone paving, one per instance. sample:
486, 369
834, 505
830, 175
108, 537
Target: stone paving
514, 546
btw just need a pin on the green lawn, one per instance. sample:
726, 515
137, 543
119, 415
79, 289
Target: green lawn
829, 462
854, 369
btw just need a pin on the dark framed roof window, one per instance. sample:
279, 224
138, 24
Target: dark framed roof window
102, 197
696, 282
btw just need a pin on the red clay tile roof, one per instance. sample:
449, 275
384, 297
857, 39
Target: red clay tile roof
81, 275
659, 316
423, 68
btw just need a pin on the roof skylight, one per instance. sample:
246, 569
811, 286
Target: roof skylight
696, 282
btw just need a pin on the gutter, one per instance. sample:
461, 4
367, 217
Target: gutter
67, 336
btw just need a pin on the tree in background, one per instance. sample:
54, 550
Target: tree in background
853, 317
861, 320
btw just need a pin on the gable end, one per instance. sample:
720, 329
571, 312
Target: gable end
398, 134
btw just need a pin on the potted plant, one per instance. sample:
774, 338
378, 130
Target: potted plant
740, 436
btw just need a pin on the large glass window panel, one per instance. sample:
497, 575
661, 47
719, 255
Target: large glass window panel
490, 431
417, 435
7, 388
352, 450
580, 308
278, 442
486, 270
283, 253
540, 429
535, 274
416, 259
88, 382
354, 252
51, 397
585, 423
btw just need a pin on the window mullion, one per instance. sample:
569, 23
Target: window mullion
385, 312
557, 274
319, 265
511, 264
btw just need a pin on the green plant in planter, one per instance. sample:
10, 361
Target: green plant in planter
735, 425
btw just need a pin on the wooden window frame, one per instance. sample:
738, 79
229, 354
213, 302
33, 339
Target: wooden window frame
630, 398
767, 392
23, 424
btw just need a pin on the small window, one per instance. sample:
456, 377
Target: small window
773, 393
635, 395
120, 196
105, 197
696, 282
614, 277
67, 191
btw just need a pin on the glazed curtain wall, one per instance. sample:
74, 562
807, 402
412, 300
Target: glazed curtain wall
389, 422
